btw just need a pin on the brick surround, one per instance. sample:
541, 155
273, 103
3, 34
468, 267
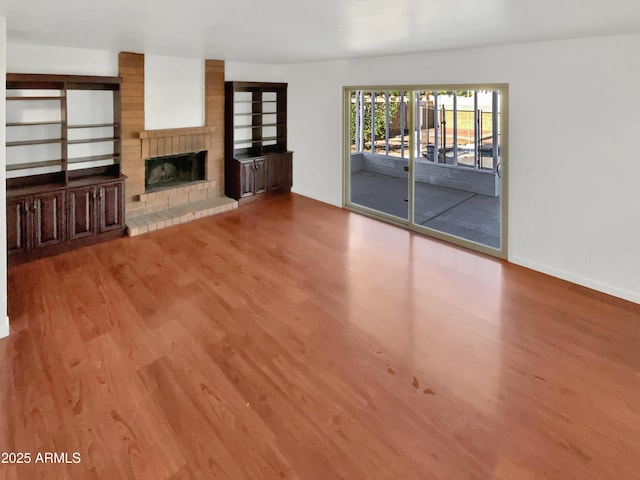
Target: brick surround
139, 144
159, 143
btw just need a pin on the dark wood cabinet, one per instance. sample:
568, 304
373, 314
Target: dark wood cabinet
49, 219
111, 206
260, 177
69, 192
17, 219
248, 177
280, 172
95, 209
256, 156
35, 222
82, 212
246, 181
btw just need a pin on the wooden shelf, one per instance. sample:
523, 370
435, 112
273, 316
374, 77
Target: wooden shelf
93, 125
33, 124
33, 142
93, 140
43, 87
94, 158
31, 165
260, 126
34, 98
255, 101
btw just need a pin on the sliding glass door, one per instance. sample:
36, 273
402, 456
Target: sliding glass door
431, 159
378, 156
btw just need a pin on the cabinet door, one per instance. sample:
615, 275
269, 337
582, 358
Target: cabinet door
48, 219
111, 203
246, 178
280, 172
261, 178
17, 218
287, 171
82, 212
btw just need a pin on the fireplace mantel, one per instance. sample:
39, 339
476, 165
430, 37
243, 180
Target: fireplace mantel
177, 132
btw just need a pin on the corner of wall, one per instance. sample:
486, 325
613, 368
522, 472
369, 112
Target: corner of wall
594, 284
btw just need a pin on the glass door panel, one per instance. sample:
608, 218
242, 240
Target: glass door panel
456, 177
378, 157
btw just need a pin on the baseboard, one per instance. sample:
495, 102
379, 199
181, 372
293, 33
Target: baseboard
603, 287
314, 197
4, 327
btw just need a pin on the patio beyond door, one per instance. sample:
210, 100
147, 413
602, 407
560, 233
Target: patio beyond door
379, 152
430, 159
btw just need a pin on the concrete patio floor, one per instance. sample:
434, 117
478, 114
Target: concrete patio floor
466, 215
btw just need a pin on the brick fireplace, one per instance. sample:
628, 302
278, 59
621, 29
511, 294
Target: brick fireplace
148, 211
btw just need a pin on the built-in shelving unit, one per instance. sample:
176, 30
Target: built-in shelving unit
61, 111
64, 187
256, 156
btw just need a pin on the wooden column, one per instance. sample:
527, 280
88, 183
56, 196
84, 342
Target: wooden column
131, 69
214, 117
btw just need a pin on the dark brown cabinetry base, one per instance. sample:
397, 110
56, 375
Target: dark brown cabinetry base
248, 177
45, 220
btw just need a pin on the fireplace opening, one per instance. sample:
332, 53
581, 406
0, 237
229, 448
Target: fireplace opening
174, 170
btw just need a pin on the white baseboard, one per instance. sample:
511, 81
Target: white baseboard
4, 327
603, 287
315, 197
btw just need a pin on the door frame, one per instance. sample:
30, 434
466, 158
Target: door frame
408, 224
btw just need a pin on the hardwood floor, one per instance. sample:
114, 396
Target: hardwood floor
291, 339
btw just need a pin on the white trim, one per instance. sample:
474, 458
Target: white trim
619, 292
4, 328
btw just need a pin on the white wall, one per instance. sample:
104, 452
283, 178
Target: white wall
574, 206
252, 72
60, 60
173, 92
4, 319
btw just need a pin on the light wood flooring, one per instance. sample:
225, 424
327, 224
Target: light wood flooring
289, 339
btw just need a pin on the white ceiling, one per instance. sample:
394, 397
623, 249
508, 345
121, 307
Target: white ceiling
289, 31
